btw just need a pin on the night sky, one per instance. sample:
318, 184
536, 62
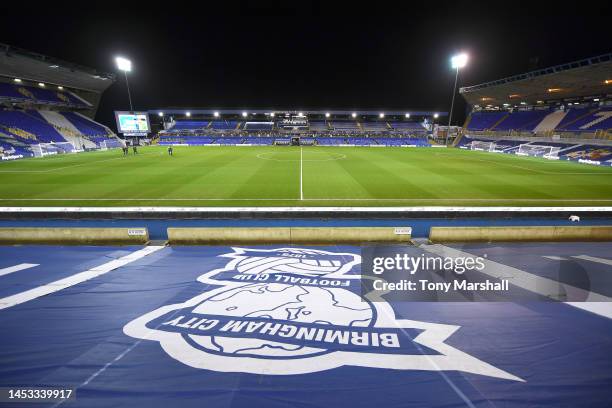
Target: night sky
312, 55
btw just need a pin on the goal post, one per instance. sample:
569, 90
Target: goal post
47, 149
482, 146
548, 152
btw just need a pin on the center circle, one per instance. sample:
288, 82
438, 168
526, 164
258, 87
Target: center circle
332, 157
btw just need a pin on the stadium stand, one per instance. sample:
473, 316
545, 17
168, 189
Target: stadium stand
345, 125
190, 125
343, 130
21, 130
224, 124
575, 120
414, 126
22, 93
522, 120
485, 120
600, 119
374, 126
258, 126
259, 140
319, 126
29, 126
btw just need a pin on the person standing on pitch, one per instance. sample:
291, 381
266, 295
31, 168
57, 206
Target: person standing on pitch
134, 148
170, 151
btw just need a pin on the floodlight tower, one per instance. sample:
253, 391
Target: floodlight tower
458, 61
125, 65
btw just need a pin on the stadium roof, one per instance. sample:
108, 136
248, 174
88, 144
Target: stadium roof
342, 112
30, 66
591, 77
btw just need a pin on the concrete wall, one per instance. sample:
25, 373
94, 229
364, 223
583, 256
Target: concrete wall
285, 235
74, 236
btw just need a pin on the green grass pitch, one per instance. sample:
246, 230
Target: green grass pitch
308, 176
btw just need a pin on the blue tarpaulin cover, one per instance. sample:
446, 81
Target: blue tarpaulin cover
283, 327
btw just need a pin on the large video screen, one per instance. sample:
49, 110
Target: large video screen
132, 122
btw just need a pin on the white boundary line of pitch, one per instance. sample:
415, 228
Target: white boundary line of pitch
72, 165
527, 200
77, 278
414, 209
301, 171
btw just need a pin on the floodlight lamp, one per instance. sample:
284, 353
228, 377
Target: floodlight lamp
354, 114
272, 114
327, 114
244, 114
188, 114
436, 115
41, 84
160, 114
381, 115
407, 116
216, 114
17, 80
123, 64
459, 61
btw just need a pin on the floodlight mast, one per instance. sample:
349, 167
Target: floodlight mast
125, 65
457, 62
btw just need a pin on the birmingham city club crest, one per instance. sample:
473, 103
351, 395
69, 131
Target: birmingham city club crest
288, 311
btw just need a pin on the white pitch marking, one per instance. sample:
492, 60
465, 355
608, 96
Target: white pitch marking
594, 302
16, 268
604, 200
594, 259
529, 168
333, 157
301, 171
70, 166
75, 279
555, 258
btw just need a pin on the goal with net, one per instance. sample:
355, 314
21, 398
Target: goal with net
110, 144
548, 152
482, 146
46, 149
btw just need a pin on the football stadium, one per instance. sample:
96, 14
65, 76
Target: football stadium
269, 239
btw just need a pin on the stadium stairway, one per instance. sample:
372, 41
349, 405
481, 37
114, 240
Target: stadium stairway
531, 125
67, 129
550, 122
462, 133
496, 124
458, 138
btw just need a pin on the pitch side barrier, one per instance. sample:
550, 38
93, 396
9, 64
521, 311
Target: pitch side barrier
289, 235
74, 236
520, 234
314, 212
